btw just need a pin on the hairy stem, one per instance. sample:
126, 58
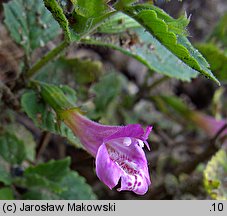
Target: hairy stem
45, 59
53, 53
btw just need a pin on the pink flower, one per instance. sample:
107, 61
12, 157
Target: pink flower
118, 151
209, 124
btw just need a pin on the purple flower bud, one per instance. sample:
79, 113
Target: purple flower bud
209, 124
118, 151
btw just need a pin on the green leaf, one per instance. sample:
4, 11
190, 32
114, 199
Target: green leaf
45, 175
82, 20
81, 26
69, 93
4, 176
36, 181
178, 26
118, 23
6, 193
91, 8
220, 32
29, 23
12, 149
75, 188
87, 16
216, 58
52, 170
54, 180
83, 71
106, 90
45, 118
122, 3
170, 35
215, 176
142, 46
59, 16
53, 72
26, 136
40, 194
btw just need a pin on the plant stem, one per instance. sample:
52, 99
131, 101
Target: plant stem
53, 53
45, 59
158, 82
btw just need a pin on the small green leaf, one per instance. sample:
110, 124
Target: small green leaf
106, 90
220, 32
170, 34
178, 26
81, 26
72, 187
75, 188
40, 194
54, 73
215, 176
135, 42
69, 93
87, 16
122, 3
118, 23
54, 180
44, 118
29, 23
26, 136
5, 176
52, 170
91, 8
216, 58
12, 149
84, 71
34, 107
59, 16
45, 175
6, 193
37, 181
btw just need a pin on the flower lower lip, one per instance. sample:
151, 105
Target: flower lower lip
132, 176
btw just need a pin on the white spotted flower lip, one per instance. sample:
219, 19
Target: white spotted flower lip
118, 151
115, 161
